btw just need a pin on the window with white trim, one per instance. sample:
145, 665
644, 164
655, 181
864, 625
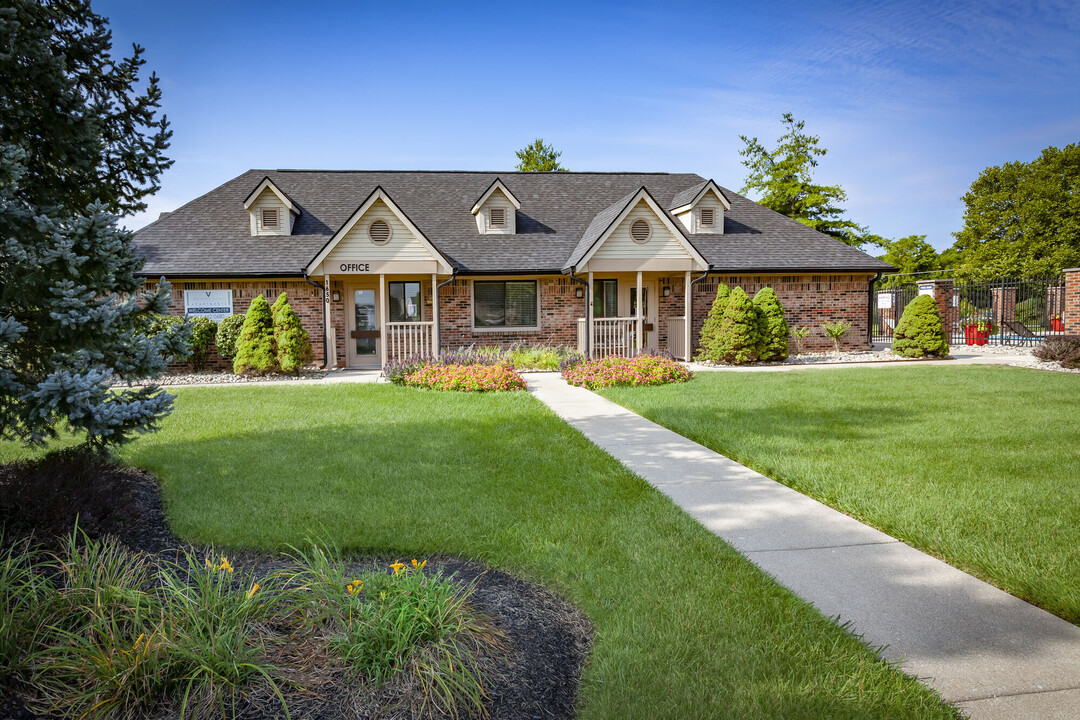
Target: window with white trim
497, 217
707, 217
504, 304
271, 218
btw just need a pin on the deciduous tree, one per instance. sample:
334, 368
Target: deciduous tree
783, 177
1022, 218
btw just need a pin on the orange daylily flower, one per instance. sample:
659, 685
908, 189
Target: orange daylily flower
397, 567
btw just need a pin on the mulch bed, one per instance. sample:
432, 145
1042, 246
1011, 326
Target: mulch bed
545, 639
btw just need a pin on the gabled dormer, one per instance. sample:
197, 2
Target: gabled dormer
272, 211
496, 210
701, 209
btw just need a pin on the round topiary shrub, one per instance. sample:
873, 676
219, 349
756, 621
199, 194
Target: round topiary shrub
772, 326
293, 343
920, 332
710, 332
255, 350
228, 333
740, 333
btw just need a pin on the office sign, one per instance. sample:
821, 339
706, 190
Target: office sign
214, 304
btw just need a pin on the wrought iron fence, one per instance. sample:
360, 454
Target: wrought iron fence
1005, 311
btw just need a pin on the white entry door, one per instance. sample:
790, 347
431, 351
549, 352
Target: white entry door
648, 311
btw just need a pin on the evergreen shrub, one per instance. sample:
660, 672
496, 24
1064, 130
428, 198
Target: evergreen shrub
920, 332
772, 326
228, 333
256, 352
290, 337
710, 332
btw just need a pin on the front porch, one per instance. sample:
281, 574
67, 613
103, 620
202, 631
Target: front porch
617, 324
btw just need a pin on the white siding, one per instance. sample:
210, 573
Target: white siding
662, 244
267, 199
357, 246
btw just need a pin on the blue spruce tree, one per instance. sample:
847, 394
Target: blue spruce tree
79, 146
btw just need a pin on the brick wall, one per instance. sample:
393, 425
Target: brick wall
1071, 315
808, 301
559, 310
305, 300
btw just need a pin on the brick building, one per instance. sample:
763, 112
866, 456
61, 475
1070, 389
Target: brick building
389, 264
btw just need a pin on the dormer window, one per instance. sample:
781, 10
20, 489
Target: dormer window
708, 217
270, 219
498, 217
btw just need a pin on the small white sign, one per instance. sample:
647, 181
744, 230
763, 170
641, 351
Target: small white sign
926, 289
884, 301
214, 304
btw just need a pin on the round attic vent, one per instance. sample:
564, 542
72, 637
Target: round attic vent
379, 232
640, 231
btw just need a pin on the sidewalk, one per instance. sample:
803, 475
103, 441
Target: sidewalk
982, 649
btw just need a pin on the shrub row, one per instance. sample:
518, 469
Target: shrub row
272, 339
618, 371
98, 630
739, 330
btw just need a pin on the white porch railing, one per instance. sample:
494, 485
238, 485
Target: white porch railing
406, 339
676, 337
612, 336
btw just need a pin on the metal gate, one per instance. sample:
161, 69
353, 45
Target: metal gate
1005, 311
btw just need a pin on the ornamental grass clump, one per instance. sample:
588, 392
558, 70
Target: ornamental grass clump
618, 371
466, 378
256, 351
920, 332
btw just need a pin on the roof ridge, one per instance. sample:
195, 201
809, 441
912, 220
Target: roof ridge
475, 172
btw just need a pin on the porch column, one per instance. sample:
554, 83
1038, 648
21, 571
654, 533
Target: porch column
589, 318
328, 321
382, 319
688, 311
434, 313
637, 313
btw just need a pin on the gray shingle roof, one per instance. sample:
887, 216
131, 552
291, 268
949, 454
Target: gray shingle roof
685, 196
210, 236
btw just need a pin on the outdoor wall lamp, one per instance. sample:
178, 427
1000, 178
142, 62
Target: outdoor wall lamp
336, 295
667, 291
579, 292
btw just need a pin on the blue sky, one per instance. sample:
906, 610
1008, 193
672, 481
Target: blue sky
911, 99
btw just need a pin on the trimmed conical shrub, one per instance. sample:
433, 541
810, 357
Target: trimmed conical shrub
739, 332
255, 351
772, 326
920, 332
293, 343
710, 333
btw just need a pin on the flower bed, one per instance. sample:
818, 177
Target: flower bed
467, 378
618, 371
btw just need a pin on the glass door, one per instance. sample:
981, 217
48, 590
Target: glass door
365, 334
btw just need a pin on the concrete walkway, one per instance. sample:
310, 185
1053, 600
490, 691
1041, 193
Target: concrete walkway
984, 650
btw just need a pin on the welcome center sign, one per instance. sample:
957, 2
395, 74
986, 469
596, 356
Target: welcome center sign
213, 304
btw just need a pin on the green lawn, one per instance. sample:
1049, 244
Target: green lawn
684, 626
977, 465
